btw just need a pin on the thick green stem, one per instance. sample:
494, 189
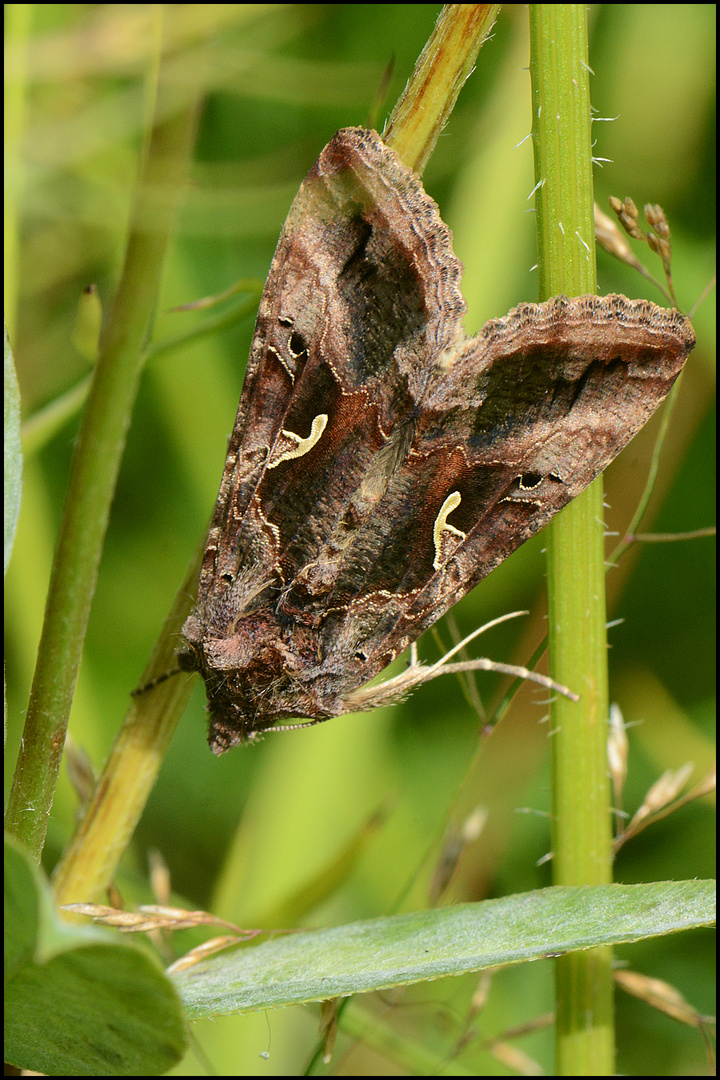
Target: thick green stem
94, 470
576, 583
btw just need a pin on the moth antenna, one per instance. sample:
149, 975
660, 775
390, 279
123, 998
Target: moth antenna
417, 674
470, 637
297, 727
156, 682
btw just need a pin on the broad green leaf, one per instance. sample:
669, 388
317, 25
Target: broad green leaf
80, 1000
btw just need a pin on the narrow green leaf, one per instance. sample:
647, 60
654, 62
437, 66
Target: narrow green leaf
380, 953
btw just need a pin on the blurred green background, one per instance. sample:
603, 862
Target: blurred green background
258, 835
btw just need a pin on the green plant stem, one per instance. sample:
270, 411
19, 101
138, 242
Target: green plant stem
89, 862
576, 582
443, 66
95, 466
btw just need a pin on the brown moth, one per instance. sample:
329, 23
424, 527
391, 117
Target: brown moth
382, 462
